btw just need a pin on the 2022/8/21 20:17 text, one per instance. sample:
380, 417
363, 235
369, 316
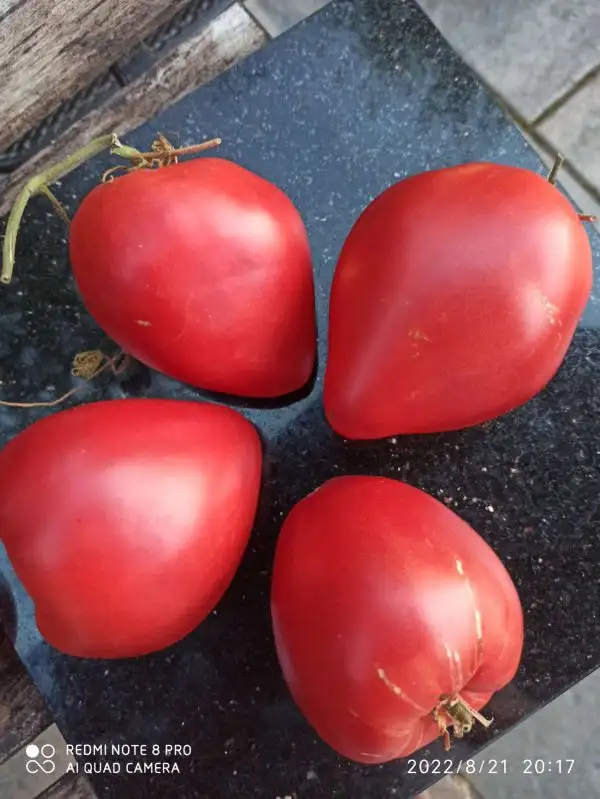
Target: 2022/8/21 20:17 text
490, 766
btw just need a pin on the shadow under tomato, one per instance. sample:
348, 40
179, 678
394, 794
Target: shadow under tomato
137, 378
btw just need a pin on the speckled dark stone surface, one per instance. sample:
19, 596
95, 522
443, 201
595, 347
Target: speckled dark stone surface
356, 97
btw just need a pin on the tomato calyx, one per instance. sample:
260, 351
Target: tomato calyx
455, 712
162, 153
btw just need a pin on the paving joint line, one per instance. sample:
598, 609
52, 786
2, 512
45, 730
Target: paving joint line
557, 104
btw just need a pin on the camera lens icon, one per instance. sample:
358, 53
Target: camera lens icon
40, 758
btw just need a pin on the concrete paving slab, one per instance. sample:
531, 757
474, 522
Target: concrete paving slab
278, 16
554, 754
531, 53
575, 129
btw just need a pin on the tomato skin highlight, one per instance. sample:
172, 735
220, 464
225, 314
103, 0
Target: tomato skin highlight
454, 300
203, 271
126, 520
382, 601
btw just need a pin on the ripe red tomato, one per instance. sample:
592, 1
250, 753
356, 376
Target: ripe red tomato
126, 520
201, 270
454, 300
386, 608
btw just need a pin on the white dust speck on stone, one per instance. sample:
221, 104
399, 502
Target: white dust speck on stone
489, 508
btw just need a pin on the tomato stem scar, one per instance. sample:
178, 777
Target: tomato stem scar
459, 715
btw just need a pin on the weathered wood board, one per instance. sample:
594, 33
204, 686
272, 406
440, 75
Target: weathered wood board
28, 737
227, 39
49, 49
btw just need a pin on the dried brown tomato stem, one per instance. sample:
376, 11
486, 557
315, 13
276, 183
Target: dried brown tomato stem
553, 174
87, 365
461, 717
156, 156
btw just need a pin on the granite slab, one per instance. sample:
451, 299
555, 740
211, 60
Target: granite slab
354, 98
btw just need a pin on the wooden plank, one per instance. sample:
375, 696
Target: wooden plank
8, 615
51, 48
37, 766
23, 712
229, 38
27, 735
183, 25
71, 786
7, 6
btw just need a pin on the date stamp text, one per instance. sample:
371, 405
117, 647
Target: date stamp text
531, 766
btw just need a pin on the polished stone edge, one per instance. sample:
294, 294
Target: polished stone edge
278, 16
226, 40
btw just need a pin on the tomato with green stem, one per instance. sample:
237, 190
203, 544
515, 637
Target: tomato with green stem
200, 269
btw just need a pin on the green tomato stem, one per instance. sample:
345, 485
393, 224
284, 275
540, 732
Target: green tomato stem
12, 228
125, 151
56, 203
38, 184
